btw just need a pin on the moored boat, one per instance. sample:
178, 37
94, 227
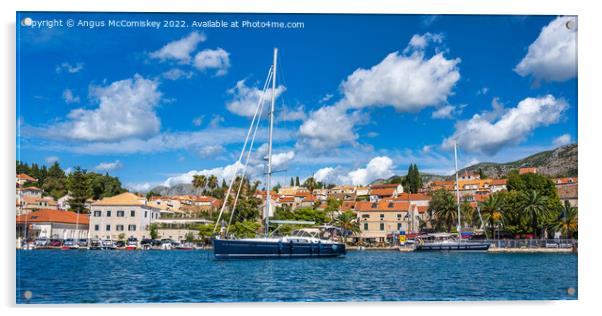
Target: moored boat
131, 244
447, 242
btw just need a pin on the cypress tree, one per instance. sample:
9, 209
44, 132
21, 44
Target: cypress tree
79, 190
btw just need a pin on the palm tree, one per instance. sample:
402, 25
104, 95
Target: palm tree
567, 220
492, 211
199, 181
535, 208
212, 182
310, 184
347, 221
443, 208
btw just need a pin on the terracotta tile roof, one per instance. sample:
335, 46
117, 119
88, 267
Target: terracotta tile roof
384, 186
54, 216
29, 188
383, 192
565, 180
347, 205
126, 198
397, 206
24, 176
204, 199
422, 209
499, 181
413, 197
286, 199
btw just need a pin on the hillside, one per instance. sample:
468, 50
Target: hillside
560, 162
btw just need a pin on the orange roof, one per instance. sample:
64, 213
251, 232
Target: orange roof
54, 216
524, 170
286, 199
204, 199
565, 180
499, 181
422, 208
384, 186
347, 205
24, 176
412, 197
126, 198
29, 188
397, 206
382, 192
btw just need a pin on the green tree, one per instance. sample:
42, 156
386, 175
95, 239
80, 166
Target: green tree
189, 237
491, 210
245, 229
443, 207
154, 231
310, 183
347, 221
297, 181
535, 208
412, 182
121, 236
212, 182
567, 221
332, 207
199, 181
79, 190
205, 231
482, 174
292, 182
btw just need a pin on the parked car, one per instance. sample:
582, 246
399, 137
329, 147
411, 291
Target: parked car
42, 242
56, 242
120, 244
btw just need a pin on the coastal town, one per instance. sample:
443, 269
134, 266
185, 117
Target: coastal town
382, 214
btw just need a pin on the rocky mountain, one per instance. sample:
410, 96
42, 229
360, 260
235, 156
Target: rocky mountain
559, 162
178, 189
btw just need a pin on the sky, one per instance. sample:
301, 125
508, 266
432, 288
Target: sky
359, 97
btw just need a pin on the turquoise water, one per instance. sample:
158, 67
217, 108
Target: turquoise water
54, 276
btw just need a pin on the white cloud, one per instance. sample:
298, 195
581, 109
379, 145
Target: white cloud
329, 127
289, 115
141, 187
179, 50
487, 135
198, 121
407, 81
444, 112
51, 159
216, 120
553, 55
126, 109
245, 99
218, 59
177, 73
325, 175
69, 97
281, 159
211, 150
108, 166
377, 168
65, 66
562, 140
226, 173
427, 148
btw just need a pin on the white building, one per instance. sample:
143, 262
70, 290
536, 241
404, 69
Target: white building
125, 214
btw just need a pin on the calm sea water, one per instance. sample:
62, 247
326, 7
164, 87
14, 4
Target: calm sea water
54, 276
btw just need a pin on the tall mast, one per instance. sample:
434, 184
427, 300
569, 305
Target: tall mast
270, 131
459, 227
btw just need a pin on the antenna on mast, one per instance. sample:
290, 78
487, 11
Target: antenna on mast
268, 204
459, 227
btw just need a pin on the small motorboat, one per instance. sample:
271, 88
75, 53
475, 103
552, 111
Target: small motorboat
131, 244
70, 244
185, 246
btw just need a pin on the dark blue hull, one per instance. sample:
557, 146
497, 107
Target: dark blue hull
248, 249
464, 246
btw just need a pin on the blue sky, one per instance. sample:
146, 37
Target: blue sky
361, 96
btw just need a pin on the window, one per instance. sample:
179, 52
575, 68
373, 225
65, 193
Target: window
96, 227
145, 214
119, 228
108, 213
390, 204
365, 226
131, 228
97, 213
132, 213
120, 213
374, 205
365, 216
398, 216
382, 216
108, 228
398, 226
382, 226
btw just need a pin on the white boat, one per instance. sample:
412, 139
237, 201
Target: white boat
450, 241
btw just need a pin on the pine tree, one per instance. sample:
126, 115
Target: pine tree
79, 190
292, 182
297, 181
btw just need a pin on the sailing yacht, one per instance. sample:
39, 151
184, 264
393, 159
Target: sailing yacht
450, 241
298, 245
